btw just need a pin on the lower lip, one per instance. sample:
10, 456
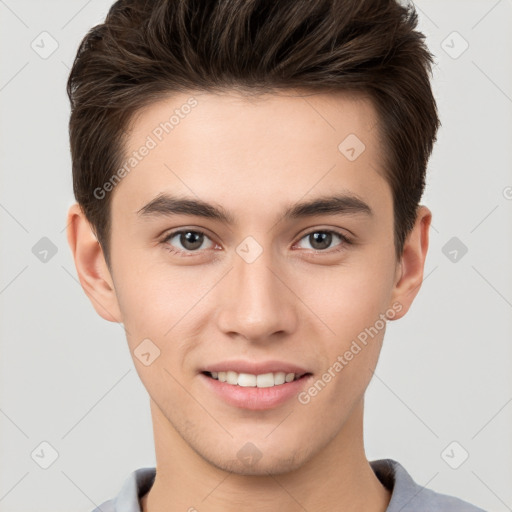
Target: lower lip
255, 399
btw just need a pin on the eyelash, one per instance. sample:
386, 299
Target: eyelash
344, 239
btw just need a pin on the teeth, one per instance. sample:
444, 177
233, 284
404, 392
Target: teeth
279, 378
266, 380
231, 377
248, 380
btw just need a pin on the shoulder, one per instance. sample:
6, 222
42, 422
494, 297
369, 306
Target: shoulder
134, 487
408, 496
106, 506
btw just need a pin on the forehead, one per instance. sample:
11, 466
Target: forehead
245, 150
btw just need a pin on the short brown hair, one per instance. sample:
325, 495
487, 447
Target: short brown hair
146, 49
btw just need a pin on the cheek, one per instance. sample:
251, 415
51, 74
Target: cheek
354, 311
151, 297
165, 308
352, 302
350, 298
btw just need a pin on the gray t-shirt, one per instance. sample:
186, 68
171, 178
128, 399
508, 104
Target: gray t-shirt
406, 494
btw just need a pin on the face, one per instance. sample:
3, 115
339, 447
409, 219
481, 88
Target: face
271, 259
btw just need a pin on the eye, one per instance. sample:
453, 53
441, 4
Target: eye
321, 239
189, 239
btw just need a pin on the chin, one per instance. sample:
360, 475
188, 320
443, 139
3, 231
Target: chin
251, 461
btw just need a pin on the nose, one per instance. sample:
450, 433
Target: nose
256, 302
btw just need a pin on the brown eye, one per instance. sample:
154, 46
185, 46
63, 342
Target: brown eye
321, 240
186, 240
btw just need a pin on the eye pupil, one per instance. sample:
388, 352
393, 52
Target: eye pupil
321, 237
191, 240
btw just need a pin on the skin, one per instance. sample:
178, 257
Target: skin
289, 304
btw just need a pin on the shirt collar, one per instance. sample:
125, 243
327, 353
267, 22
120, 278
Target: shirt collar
406, 494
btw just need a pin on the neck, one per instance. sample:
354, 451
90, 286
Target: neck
339, 477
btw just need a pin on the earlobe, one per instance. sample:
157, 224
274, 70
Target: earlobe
90, 265
411, 267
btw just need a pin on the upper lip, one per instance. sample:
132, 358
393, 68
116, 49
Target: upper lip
255, 368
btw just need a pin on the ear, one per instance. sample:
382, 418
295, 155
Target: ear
409, 275
91, 266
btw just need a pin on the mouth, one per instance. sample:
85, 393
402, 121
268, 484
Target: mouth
263, 390
250, 380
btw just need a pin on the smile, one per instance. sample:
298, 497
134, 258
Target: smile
249, 380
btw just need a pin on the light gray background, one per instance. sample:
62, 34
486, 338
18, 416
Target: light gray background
445, 371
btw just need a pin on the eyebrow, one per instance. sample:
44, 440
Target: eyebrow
165, 205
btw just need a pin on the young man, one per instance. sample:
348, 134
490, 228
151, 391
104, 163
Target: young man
248, 177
